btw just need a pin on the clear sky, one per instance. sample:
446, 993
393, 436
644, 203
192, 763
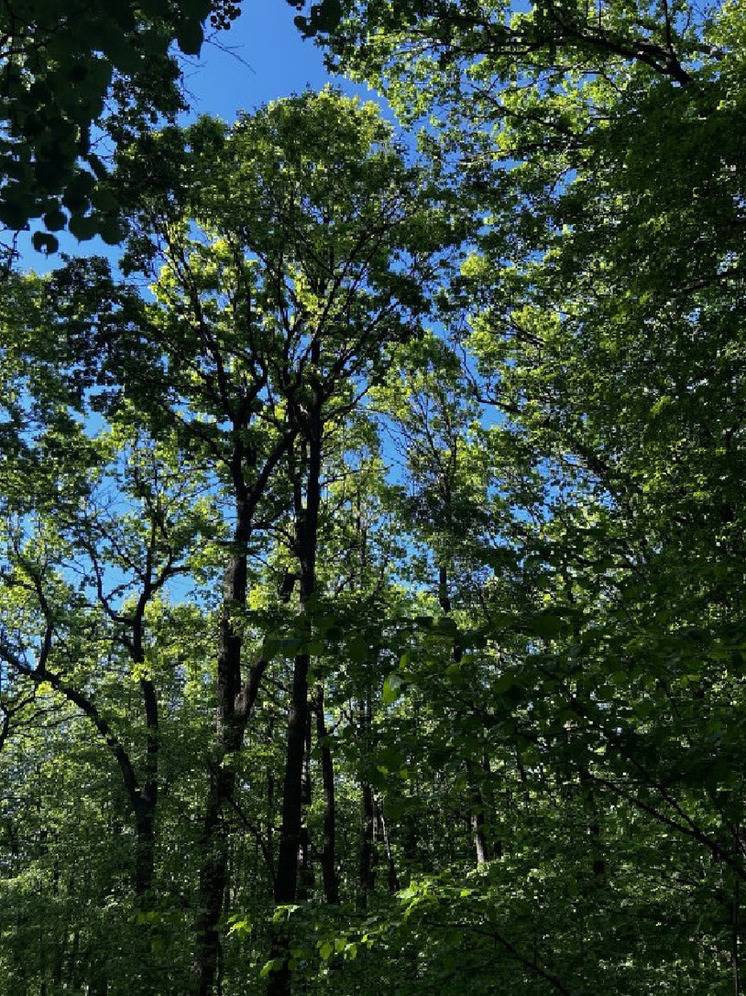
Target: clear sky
263, 56
270, 59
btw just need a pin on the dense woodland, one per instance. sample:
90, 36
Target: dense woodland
373, 565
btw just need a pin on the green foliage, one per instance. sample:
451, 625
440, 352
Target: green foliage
517, 356
71, 69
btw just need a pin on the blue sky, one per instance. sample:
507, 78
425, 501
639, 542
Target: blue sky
263, 56
270, 60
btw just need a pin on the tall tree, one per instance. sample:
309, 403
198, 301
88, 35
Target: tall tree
296, 246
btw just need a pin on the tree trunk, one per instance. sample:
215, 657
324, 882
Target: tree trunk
477, 816
486, 789
328, 853
305, 867
306, 533
147, 801
366, 874
235, 698
392, 878
292, 797
735, 932
286, 880
367, 845
232, 715
212, 880
144, 845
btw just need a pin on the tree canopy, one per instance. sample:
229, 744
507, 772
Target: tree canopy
372, 570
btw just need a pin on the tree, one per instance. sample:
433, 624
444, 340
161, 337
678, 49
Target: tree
296, 246
435, 571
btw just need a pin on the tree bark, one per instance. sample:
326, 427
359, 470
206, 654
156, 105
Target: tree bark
477, 815
735, 938
366, 874
477, 820
306, 535
328, 853
231, 721
305, 867
292, 797
367, 845
235, 700
392, 879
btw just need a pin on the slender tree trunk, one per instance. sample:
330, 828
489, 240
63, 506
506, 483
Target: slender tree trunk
75, 974
212, 879
286, 884
328, 853
146, 803
305, 867
476, 801
231, 722
235, 699
286, 880
480, 810
144, 846
58, 956
366, 874
271, 797
306, 531
367, 845
488, 804
392, 876
477, 815
735, 934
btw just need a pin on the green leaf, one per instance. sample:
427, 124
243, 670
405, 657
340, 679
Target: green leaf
44, 242
274, 965
112, 231
240, 926
55, 220
83, 227
545, 625
190, 37
391, 688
